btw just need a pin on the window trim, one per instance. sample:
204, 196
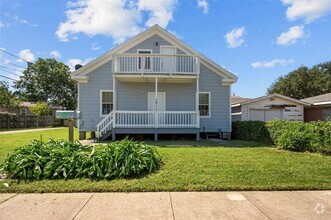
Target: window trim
100, 99
149, 50
209, 104
25, 111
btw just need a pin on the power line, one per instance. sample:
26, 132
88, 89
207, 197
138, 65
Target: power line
10, 69
8, 78
14, 55
9, 72
14, 64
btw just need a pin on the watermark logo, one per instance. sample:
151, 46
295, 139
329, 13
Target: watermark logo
319, 208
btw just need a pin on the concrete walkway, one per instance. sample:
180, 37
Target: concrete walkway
168, 205
28, 130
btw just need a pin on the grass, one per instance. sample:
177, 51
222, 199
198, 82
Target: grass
8, 142
200, 166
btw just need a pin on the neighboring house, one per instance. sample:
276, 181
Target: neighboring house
24, 109
153, 84
268, 108
238, 99
320, 108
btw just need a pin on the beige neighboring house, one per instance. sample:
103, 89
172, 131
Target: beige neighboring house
320, 109
267, 108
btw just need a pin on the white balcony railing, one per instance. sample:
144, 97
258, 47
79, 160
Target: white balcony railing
156, 63
158, 119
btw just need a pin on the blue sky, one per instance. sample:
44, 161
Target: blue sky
258, 40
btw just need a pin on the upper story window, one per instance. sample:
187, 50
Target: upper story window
106, 102
144, 60
204, 104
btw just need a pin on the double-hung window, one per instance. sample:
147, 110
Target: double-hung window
144, 61
106, 104
204, 104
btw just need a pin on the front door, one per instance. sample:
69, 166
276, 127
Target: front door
160, 101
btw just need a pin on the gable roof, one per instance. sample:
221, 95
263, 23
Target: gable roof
238, 99
319, 100
270, 96
82, 72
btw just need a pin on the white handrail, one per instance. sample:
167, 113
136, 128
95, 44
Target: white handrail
161, 119
106, 123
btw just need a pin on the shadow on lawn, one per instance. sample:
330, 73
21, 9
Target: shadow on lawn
206, 143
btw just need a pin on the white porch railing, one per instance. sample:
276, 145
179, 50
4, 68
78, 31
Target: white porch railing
158, 119
106, 124
156, 63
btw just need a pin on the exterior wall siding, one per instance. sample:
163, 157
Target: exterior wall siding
89, 96
220, 102
149, 44
134, 96
313, 114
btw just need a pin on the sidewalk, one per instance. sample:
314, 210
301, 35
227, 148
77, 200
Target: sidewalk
28, 130
168, 205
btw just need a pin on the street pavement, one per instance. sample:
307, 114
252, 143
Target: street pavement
168, 205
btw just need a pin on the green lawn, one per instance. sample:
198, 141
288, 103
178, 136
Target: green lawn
202, 167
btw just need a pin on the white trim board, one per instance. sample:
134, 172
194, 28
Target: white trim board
100, 101
209, 104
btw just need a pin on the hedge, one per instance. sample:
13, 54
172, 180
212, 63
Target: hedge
290, 135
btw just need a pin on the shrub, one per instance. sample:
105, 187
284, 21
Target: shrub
40, 109
251, 131
63, 159
290, 135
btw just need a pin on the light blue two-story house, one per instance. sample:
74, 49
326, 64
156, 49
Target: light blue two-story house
153, 84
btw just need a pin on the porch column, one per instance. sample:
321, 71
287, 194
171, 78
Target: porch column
156, 111
197, 111
114, 100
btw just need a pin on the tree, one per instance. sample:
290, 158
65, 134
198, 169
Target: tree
40, 109
47, 80
304, 82
7, 98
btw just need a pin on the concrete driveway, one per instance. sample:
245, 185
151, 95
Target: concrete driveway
168, 205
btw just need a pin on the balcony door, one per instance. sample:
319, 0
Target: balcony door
144, 62
166, 61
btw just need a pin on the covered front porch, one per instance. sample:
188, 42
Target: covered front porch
153, 103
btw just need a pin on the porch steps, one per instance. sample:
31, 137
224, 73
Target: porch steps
105, 136
105, 127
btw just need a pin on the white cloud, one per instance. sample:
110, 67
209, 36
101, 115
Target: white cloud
26, 55
117, 18
72, 63
203, 4
160, 12
235, 38
3, 24
20, 20
272, 63
291, 36
309, 10
55, 54
95, 46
